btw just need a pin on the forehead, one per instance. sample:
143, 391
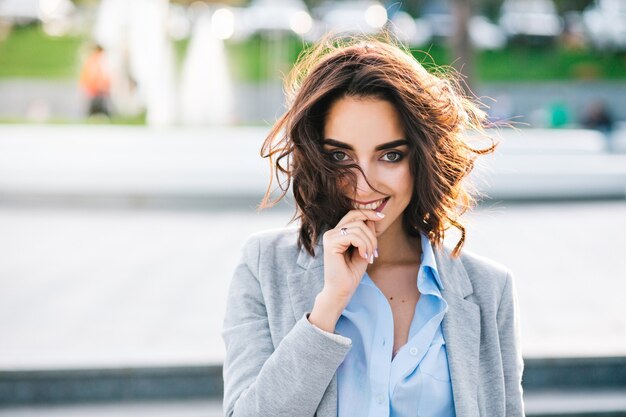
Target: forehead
363, 121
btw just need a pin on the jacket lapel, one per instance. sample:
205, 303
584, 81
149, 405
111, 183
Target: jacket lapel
461, 331
306, 281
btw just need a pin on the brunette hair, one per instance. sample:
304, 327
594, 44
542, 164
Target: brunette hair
435, 114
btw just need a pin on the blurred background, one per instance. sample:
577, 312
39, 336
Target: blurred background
130, 172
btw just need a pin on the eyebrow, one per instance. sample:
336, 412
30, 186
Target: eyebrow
388, 145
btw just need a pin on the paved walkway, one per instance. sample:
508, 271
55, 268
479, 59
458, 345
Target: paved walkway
98, 288
109, 163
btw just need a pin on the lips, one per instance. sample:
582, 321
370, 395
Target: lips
376, 205
382, 206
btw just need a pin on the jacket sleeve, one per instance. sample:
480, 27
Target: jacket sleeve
260, 380
512, 362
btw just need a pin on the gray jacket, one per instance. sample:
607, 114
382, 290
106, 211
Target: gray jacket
278, 364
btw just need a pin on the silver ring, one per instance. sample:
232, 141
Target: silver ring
343, 231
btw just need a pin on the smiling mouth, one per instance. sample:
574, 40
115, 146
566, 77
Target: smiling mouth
375, 205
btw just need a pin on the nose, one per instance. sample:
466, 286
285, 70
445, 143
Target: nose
365, 174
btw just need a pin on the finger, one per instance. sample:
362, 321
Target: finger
357, 240
361, 230
371, 226
369, 233
353, 237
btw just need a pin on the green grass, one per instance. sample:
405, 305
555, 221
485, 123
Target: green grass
249, 60
138, 120
29, 52
549, 63
518, 63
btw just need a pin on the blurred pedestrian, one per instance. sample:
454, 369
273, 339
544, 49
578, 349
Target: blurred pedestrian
95, 82
598, 116
361, 310
559, 115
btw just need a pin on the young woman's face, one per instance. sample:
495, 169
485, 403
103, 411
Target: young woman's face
368, 132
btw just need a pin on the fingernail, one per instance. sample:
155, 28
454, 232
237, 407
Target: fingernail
381, 215
366, 256
376, 252
372, 259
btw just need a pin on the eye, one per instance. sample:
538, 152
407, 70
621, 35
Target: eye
339, 156
393, 156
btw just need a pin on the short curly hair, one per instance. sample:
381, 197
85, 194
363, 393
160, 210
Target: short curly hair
436, 116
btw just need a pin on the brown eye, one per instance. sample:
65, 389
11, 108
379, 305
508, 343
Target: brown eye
392, 156
339, 156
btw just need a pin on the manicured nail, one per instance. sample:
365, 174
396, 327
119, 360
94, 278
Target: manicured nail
366, 256
372, 259
381, 215
376, 252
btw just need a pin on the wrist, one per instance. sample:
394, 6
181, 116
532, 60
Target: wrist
326, 311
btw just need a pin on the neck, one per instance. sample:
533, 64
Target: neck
396, 246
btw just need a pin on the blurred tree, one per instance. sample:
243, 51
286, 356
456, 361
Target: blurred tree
490, 8
462, 51
413, 7
569, 5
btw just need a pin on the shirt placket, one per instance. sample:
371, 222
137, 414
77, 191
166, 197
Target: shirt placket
410, 356
380, 363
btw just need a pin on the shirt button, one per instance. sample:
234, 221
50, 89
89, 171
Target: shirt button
413, 351
380, 399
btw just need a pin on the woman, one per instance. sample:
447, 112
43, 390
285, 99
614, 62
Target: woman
361, 311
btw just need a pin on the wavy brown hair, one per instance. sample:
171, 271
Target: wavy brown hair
435, 114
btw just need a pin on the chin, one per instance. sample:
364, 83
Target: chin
380, 228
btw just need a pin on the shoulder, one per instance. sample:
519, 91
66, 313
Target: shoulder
487, 277
480, 266
284, 238
272, 247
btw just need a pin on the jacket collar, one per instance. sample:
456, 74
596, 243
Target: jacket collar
307, 261
452, 273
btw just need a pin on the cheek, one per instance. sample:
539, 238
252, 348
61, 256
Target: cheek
403, 181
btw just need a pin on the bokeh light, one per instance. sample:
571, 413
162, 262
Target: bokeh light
376, 16
223, 23
301, 22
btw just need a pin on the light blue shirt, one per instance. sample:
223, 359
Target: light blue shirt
417, 381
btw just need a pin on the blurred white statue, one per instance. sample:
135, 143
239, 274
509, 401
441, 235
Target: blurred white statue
134, 35
206, 87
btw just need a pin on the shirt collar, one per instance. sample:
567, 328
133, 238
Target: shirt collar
428, 259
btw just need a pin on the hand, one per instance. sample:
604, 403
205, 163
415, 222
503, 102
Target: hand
346, 256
